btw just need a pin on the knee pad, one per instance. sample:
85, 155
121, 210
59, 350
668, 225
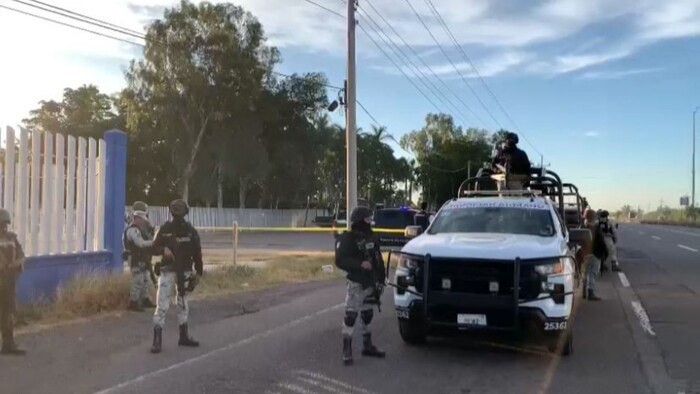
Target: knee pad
367, 316
350, 317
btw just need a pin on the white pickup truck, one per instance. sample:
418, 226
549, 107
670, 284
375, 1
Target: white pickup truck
503, 263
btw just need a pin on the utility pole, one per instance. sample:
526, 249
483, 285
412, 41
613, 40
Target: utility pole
351, 117
692, 204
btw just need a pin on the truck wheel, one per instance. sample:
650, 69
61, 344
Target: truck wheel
567, 348
411, 332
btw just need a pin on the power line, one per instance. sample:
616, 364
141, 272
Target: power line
416, 70
476, 71
425, 64
80, 17
420, 18
325, 8
99, 23
71, 26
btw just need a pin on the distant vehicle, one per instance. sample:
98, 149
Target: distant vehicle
490, 260
393, 219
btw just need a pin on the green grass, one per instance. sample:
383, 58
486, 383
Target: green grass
91, 294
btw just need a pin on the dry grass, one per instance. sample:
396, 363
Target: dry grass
91, 294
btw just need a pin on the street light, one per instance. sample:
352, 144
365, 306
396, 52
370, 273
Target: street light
693, 172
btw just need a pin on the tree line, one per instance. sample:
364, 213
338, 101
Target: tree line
209, 120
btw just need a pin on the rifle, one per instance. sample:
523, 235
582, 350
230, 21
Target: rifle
376, 292
151, 273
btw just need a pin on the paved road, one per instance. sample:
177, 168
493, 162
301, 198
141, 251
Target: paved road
269, 241
663, 267
291, 343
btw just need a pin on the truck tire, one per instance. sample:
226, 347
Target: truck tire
567, 348
411, 332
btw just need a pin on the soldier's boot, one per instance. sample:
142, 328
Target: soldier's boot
347, 350
368, 348
616, 266
185, 339
135, 307
147, 303
592, 296
157, 339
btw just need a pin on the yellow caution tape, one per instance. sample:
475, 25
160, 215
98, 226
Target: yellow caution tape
296, 229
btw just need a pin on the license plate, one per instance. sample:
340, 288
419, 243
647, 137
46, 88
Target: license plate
446, 284
472, 320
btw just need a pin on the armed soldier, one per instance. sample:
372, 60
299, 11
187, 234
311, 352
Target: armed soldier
421, 217
594, 252
138, 241
11, 265
358, 254
179, 243
610, 238
513, 162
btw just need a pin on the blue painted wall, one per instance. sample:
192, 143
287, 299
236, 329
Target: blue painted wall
44, 274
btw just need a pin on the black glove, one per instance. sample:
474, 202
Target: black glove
156, 269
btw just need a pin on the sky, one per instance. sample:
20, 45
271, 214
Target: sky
601, 90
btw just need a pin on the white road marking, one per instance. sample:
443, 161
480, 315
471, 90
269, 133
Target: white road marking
677, 231
296, 389
623, 279
326, 387
643, 318
344, 385
687, 248
656, 238
219, 350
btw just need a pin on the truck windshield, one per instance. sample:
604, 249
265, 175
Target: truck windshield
501, 220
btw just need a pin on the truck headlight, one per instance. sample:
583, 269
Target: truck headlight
407, 263
550, 268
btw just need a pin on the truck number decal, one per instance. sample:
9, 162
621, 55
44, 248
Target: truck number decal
402, 314
555, 326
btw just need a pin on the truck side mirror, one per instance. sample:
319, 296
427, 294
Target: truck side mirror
413, 231
580, 236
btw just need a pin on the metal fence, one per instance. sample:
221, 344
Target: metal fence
54, 188
246, 217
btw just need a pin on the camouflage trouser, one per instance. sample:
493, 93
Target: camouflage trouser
167, 284
140, 288
612, 252
7, 308
355, 304
592, 268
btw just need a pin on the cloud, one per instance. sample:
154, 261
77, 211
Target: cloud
491, 66
592, 134
615, 74
500, 36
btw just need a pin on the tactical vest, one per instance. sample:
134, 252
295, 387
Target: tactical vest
138, 255
179, 238
606, 228
8, 250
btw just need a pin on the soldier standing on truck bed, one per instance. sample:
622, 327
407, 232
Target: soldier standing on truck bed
357, 253
11, 265
514, 162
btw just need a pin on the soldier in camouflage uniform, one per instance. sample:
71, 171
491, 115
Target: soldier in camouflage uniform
180, 246
11, 265
138, 240
357, 253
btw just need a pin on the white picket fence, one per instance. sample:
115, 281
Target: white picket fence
54, 191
